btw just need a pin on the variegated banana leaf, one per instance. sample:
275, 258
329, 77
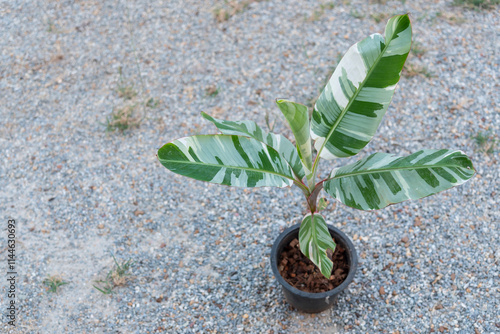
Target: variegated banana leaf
314, 240
229, 160
352, 104
252, 130
382, 179
297, 116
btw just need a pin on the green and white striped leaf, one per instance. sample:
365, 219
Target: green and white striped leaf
314, 240
352, 104
297, 116
382, 179
230, 160
252, 130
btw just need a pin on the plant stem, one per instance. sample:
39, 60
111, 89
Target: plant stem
314, 169
312, 199
310, 181
302, 187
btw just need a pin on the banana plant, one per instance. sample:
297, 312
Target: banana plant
344, 120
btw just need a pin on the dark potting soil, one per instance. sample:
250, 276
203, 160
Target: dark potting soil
302, 274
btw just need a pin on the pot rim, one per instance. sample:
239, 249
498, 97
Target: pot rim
341, 238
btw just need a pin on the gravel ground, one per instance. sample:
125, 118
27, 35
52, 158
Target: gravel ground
81, 195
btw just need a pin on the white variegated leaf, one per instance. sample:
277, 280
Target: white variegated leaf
230, 160
352, 104
252, 130
314, 240
297, 116
382, 179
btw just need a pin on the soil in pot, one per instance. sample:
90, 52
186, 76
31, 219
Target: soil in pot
302, 274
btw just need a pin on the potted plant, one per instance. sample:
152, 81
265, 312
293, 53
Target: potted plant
344, 120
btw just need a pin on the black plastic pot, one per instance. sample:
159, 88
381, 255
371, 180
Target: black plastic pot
307, 301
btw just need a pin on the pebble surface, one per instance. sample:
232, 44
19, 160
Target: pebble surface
80, 194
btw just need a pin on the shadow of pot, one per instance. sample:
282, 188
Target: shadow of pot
307, 301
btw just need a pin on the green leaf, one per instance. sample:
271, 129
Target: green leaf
252, 130
298, 118
229, 160
314, 240
352, 104
382, 179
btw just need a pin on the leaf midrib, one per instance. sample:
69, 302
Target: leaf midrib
385, 170
225, 166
